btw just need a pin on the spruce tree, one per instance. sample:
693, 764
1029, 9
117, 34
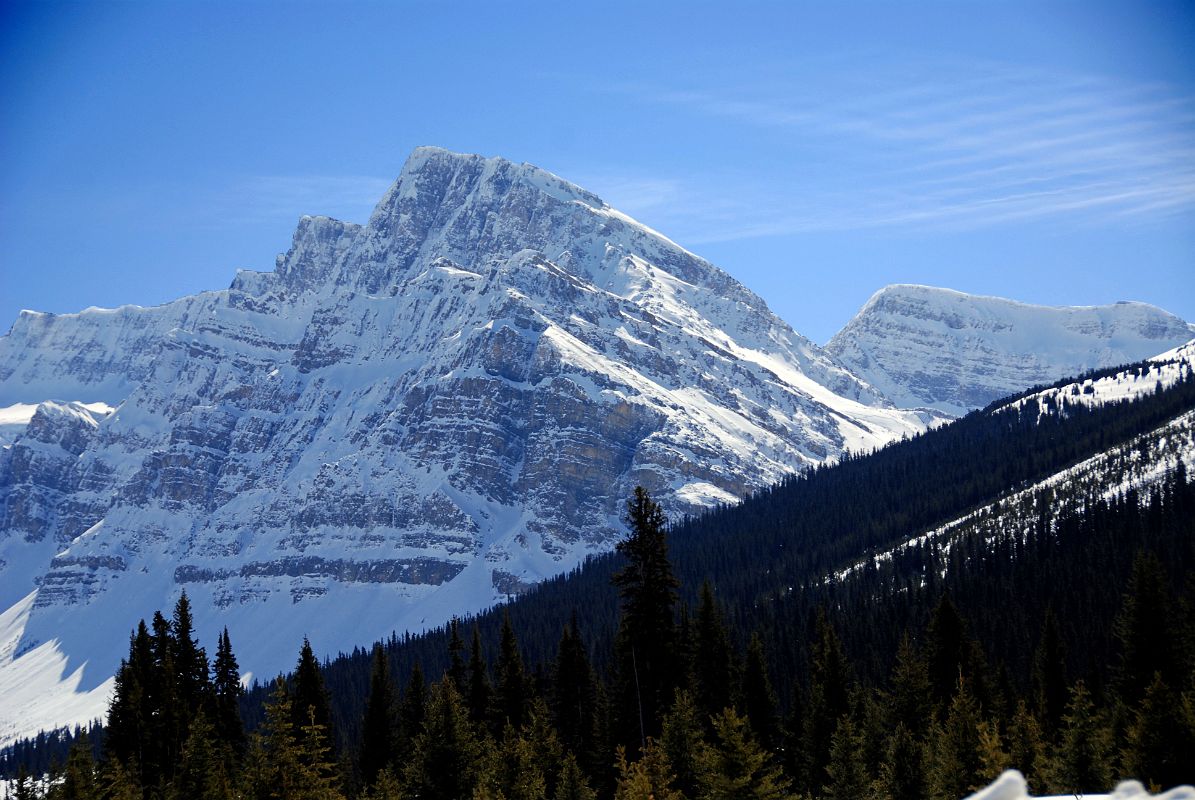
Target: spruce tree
571, 784
412, 712
226, 697
644, 650
190, 661
447, 759
204, 771
735, 767
1050, 684
1026, 745
512, 689
955, 762
310, 702
79, 780
649, 778
714, 662
759, 700
1160, 747
1143, 629
847, 777
574, 701
480, 691
456, 661
911, 697
902, 772
377, 725
1081, 761
682, 742
828, 694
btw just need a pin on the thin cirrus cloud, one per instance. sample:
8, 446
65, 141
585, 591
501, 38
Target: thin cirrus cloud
270, 198
989, 146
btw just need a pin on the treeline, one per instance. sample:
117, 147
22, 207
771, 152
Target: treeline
682, 711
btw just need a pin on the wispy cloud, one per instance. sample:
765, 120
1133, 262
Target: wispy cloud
968, 146
272, 197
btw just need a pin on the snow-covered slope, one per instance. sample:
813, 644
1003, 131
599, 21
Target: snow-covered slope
403, 421
1139, 464
955, 352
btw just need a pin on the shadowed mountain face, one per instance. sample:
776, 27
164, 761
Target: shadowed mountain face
955, 352
404, 421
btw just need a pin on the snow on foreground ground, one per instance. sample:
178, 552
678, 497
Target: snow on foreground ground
1011, 786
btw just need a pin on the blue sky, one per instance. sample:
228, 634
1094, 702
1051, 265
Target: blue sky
817, 151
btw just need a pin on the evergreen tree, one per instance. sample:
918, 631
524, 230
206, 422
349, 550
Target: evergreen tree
1160, 747
948, 653
682, 743
79, 781
645, 645
480, 691
1049, 674
190, 662
828, 694
456, 661
955, 762
1081, 762
911, 697
571, 785
1144, 631
847, 771
759, 700
512, 690
447, 759
165, 728
902, 772
226, 697
377, 726
516, 774
735, 767
574, 700
204, 767
649, 778
713, 663
1026, 745
310, 703
412, 712
288, 764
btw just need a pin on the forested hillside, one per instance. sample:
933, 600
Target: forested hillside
1013, 589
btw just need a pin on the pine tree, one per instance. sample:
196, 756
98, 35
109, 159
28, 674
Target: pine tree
1143, 630
226, 696
713, 663
574, 700
480, 691
911, 697
512, 690
649, 778
955, 757
1049, 674
1081, 762
1161, 744
190, 662
1026, 747
447, 759
377, 726
828, 694
79, 780
847, 771
682, 742
571, 784
735, 767
456, 661
515, 774
310, 703
759, 700
412, 713
165, 728
902, 772
645, 646
288, 764
204, 767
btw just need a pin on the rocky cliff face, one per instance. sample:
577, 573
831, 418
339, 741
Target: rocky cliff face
951, 351
403, 421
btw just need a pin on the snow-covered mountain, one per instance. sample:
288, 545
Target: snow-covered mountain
955, 352
403, 421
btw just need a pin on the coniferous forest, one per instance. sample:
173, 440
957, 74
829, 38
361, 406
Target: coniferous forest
734, 655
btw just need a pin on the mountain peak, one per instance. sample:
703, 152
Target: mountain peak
928, 346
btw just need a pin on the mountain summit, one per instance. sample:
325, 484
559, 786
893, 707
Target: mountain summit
404, 421
955, 352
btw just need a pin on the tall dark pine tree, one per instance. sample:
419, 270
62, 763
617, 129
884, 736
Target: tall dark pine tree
714, 662
574, 700
127, 735
1144, 631
759, 701
829, 683
456, 660
412, 712
166, 733
1050, 684
226, 695
310, 701
377, 727
512, 691
190, 662
645, 646
480, 690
